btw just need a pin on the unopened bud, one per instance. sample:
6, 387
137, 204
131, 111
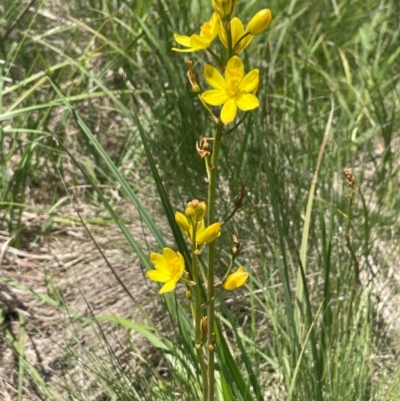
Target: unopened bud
195, 211
224, 7
235, 251
209, 234
182, 221
259, 22
236, 280
190, 213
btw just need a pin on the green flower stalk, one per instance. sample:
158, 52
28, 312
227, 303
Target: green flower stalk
230, 90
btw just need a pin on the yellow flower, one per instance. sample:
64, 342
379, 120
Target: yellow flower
237, 31
236, 279
169, 268
209, 234
224, 7
208, 32
231, 91
259, 22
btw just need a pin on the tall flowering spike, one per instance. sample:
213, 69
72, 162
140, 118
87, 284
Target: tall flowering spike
208, 32
231, 91
260, 22
236, 280
169, 268
224, 7
237, 31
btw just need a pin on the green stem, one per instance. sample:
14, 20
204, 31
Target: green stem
197, 319
203, 368
237, 44
219, 62
230, 216
229, 50
229, 269
353, 255
226, 133
211, 259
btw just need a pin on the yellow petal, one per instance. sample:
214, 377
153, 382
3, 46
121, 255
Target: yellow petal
215, 97
250, 81
209, 234
200, 228
168, 286
222, 35
215, 23
182, 40
236, 279
243, 43
169, 255
246, 101
193, 43
197, 41
234, 72
214, 77
228, 112
158, 261
181, 262
157, 275
237, 30
189, 50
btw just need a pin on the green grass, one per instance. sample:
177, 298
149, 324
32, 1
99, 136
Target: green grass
96, 96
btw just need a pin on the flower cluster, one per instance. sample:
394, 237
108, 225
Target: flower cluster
170, 265
233, 90
192, 224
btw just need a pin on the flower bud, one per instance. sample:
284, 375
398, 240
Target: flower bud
190, 213
182, 221
235, 251
209, 234
236, 279
195, 211
201, 211
224, 7
259, 22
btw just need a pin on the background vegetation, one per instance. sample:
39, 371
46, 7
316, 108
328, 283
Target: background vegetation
98, 127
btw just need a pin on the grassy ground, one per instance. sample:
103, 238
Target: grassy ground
85, 88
